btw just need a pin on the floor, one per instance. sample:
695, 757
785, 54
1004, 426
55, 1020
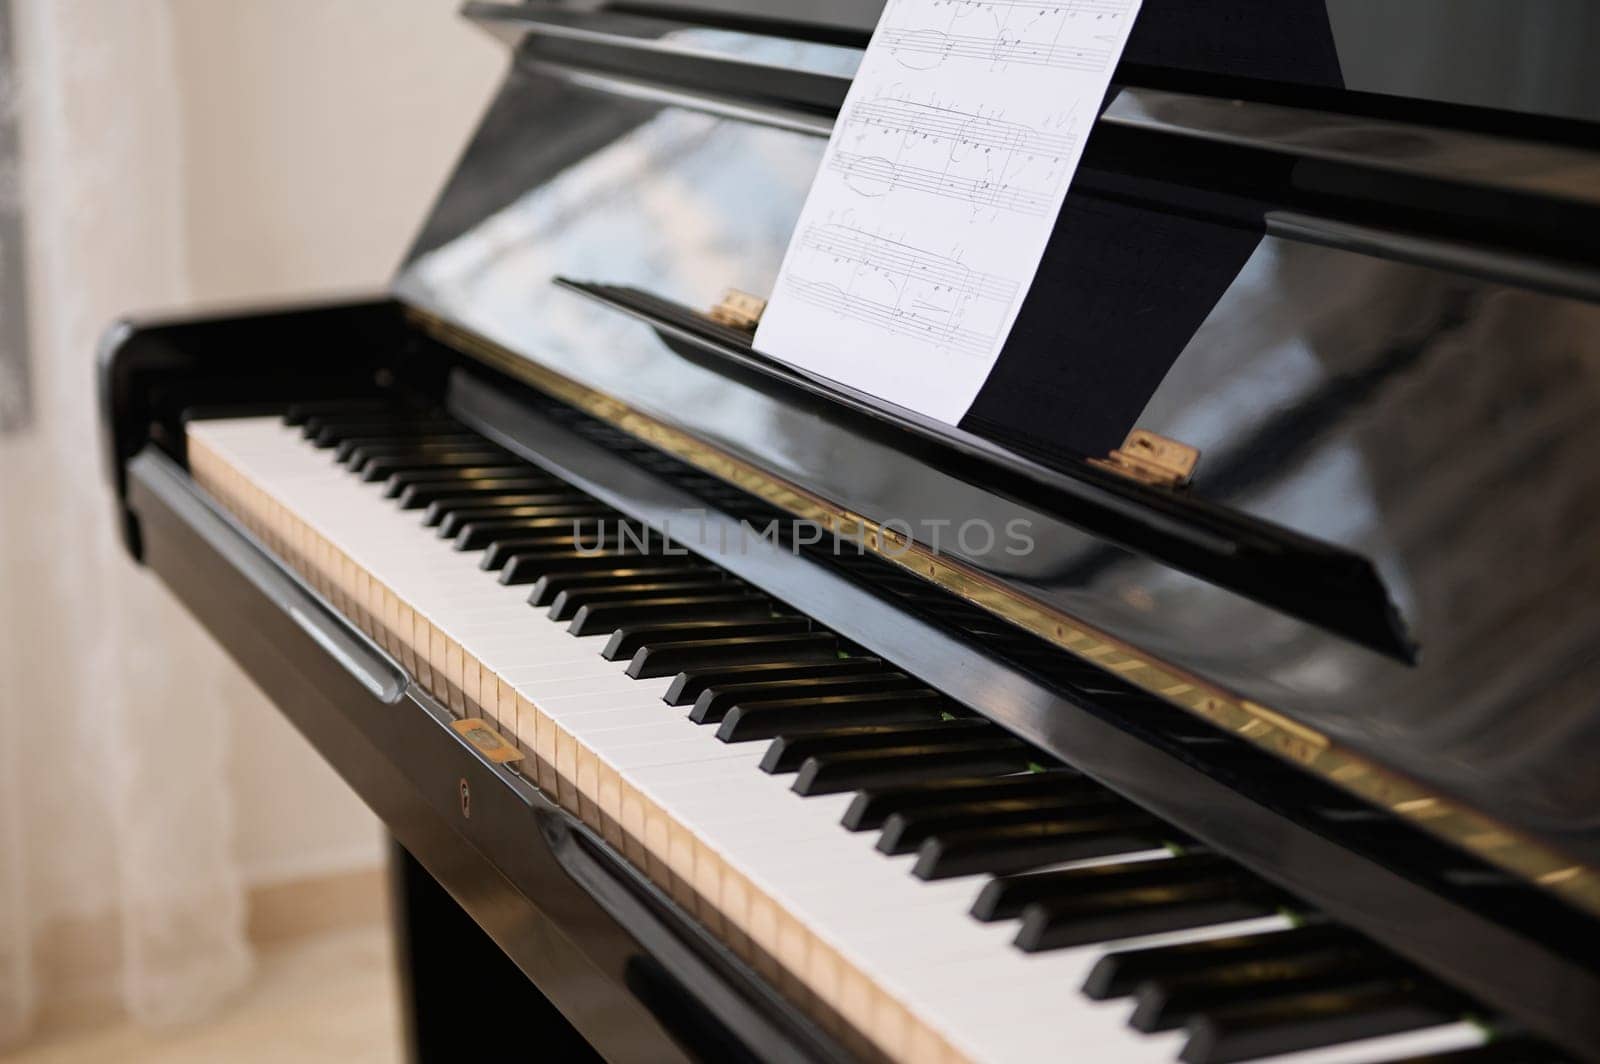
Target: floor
328, 997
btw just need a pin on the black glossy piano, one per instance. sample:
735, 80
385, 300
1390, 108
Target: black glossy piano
1222, 688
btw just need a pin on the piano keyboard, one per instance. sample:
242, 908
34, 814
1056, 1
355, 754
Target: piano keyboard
926, 886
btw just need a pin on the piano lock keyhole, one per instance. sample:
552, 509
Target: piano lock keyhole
465, 794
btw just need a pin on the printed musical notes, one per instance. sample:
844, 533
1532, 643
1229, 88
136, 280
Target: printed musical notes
998, 49
895, 287
889, 144
946, 169
959, 128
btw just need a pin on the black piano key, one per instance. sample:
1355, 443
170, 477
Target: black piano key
671, 658
421, 491
392, 413
479, 501
629, 640
355, 452
450, 481
1118, 974
1310, 1021
689, 686
713, 703
870, 809
599, 523
749, 721
905, 832
558, 519
602, 617
395, 419
383, 413
1019, 847
538, 511
327, 432
1005, 897
1167, 1002
561, 522
348, 449
297, 413
787, 753
422, 454
1118, 914
557, 536
854, 770
498, 553
383, 466
575, 522
190, 413
547, 589
526, 567
568, 601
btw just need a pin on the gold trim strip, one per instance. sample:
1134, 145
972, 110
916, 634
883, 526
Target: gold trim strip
1269, 729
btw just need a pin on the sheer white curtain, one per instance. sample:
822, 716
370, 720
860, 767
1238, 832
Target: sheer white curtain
118, 880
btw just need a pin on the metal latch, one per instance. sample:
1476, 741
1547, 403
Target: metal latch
739, 310
1152, 459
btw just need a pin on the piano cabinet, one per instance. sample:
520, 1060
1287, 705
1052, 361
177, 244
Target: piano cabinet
1273, 676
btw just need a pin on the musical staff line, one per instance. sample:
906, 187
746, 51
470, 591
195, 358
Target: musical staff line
997, 49
883, 316
920, 294
874, 170
961, 127
1096, 8
848, 244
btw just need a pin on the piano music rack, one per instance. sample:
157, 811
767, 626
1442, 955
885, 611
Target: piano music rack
1317, 582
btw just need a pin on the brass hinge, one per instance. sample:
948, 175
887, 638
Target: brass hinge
1152, 459
740, 310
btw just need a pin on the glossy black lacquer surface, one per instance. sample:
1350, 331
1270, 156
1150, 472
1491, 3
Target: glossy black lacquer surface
1530, 57
1382, 355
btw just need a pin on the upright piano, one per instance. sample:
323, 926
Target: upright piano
1222, 687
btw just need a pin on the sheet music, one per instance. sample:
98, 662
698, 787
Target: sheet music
943, 178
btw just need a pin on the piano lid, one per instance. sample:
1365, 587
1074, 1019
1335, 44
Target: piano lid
1343, 256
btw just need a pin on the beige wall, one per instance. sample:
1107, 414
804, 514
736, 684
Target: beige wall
314, 134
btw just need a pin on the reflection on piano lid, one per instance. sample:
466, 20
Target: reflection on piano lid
1285, 752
